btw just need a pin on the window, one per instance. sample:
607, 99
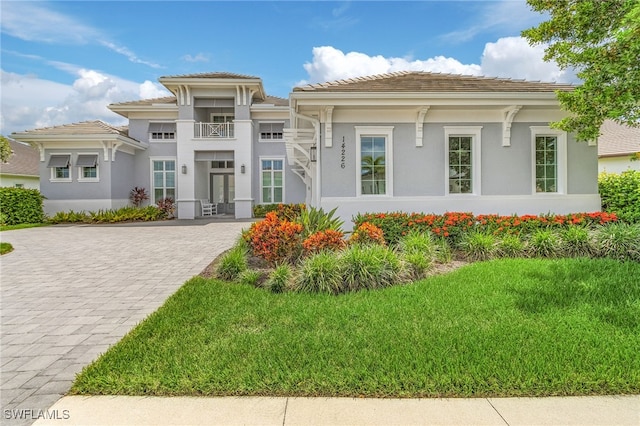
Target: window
374, 151
59, 165
19, 185
222, 164
272, 180
549, 158
164, 179
462, 159
271, 132
87, 167
162, 131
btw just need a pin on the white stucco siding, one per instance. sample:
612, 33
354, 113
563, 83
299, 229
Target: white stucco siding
617, 164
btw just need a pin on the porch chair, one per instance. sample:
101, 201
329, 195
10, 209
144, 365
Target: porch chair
208, 209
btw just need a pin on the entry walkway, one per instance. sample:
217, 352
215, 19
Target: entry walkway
69, 292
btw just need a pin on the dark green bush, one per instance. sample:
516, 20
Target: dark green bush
620, 194
284, 211
20, 205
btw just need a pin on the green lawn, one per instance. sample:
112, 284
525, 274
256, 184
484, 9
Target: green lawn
5, 248
499, 328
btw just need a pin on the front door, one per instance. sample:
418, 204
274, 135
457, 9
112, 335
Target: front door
223, 192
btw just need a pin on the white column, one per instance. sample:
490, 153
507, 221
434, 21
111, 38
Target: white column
243, 155
185, 183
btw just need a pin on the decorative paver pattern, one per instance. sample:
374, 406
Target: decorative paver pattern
69, 292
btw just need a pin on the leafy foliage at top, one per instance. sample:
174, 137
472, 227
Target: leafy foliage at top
5, 149
620, 194
601, 40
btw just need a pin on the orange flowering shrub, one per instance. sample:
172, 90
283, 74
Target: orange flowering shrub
368, 233
324, 240
275, 240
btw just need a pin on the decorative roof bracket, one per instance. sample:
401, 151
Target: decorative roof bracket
328, 127
420, 124
509, 114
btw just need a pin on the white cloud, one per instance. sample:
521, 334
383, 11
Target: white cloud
330, 64
29, 102
200, 57
509, 57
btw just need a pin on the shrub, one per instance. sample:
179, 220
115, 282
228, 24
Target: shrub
369, 267
478, 246
20, 205
544, 243
320, 273
418, 251
280, 278
283, 211
576, 241
137, 196
250, 277
167, 206
232, 263
510, 246
324, 240
5, 247
443, 252
315, 220
620, 194
619, 241
368, 233
275, 240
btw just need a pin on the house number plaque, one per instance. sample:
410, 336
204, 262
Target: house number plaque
343, 154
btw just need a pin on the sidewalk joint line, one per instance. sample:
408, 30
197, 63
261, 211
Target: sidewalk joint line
284, 417
494, 408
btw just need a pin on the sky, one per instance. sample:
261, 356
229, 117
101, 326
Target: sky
65, 61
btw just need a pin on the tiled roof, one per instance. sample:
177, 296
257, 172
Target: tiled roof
617, 139
275, 100
419, 81
164, 100
213, 75
95, 127
23, 161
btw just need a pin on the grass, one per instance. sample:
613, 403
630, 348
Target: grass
21, 226
5, 248
512, 327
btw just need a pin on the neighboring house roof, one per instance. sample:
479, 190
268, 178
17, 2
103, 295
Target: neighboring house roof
618, 140
419, 81
213, 75
23, 161
273, 100
95, 127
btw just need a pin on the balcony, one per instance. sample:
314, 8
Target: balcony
213, 130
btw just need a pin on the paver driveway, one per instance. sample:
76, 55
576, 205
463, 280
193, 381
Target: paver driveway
69, 292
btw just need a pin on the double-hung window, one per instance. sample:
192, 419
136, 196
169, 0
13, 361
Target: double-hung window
164, 179
374, 157
272, 180
462, 159
87, 167
60, 165
549, 159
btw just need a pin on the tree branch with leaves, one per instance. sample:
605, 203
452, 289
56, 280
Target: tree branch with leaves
601, 41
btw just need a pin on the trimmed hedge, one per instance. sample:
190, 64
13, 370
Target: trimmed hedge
20, 205
284, 211
620, 194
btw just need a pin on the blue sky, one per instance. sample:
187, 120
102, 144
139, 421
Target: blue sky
65, 61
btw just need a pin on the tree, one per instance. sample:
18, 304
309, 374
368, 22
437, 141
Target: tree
5, 149
601, 40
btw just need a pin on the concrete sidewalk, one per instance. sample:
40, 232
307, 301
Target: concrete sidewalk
128, 410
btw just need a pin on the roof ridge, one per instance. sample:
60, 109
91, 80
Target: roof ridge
214, 74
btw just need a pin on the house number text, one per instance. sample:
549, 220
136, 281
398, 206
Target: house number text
342, 154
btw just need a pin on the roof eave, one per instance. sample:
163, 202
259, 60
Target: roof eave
97, 137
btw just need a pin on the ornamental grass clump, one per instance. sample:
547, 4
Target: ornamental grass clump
478, 246
233, 263
576, 241
320, 273
510, 246
418, 251
370, 267
619, 241
280, 278
544, 243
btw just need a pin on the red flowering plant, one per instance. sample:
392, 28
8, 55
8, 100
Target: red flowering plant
367, 233
329, 239
275, 240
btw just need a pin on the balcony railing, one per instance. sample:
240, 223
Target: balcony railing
213, 130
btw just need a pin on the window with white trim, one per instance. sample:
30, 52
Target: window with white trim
549, 148
462, 159
164, 179
374, 159
60, 165
87, 167
271, 132
272, 180
160, 132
